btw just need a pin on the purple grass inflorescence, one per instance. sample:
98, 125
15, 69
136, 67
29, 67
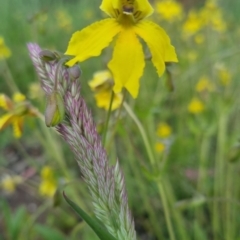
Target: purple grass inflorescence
106, 184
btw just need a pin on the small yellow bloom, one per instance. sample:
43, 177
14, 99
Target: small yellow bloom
102, 85
102, 80
224, 76
5, 52
169, 10
195, 106
35, 91
48, 185
103, 100
164, 130
8, 183
127, 22
16, 110
47, 188
160, 147
64, 20
193, 23
199, 38
47, 173
192, 55
212, 16
204, 84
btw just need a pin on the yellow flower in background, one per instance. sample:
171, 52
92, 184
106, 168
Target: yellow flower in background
192, 55
169, 10
164, 130
195, 106
160, 147
9, 183
35, 91
48, 185
204, 84
193, 23
199, 38
212, 16
64, 20
224, 76
127, 21
102, 84
16, 109
5, 52
102, 80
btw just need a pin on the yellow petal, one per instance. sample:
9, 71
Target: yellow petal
90, 41
99, 78
18, 97
17, 127
127, 63
5, 120
107, 7
5, 102
144, 7
158, 42
103, 100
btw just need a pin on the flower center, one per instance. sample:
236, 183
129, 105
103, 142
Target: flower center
128, 7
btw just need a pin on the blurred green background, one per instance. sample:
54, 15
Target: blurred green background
190, 116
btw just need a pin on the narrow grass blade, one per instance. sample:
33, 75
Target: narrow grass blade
102, 233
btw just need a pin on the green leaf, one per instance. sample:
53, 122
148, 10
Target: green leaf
18, 220
101, 232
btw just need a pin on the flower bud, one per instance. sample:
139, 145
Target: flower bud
75, 72
47, 56
55, 111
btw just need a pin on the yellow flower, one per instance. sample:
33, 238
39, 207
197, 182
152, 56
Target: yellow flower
102, 80
127, 21
35, 91
211, 14
224, 76
48, 185
169, 10
193, 23
17, 109
4, 50
164, 130
64, 20
8, 183
199, 38
195, 106
204, 84
192, 55
160, 147
102, 84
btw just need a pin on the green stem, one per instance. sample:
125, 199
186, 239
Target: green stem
108, 118
166, 209
230, 223
201, 182
219, 182
177, 215
9, 78
34, 217
143, 192
54, 149
153, 163
116, 122
141, 129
